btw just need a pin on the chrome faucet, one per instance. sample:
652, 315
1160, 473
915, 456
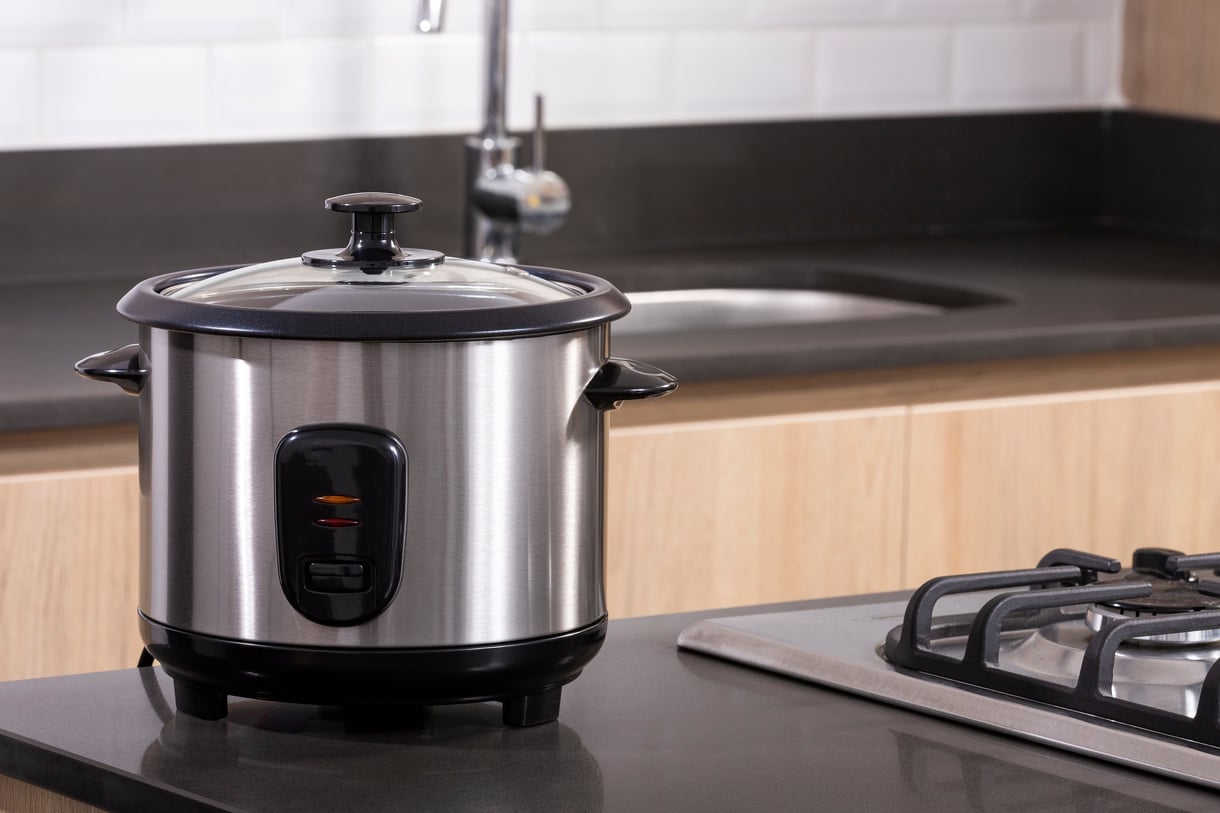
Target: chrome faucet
503, 199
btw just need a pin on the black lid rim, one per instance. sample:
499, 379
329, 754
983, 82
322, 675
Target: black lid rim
601, 302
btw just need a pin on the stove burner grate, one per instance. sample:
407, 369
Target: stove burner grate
1064, 579
1175, 589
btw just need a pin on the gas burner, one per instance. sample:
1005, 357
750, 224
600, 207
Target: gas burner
1175, 589
1064, 633
1010, 651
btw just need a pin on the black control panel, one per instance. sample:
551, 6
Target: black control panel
341, 496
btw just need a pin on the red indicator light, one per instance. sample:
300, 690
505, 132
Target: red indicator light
336, 522
336, 499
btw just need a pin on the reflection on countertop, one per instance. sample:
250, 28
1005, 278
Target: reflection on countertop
646, 727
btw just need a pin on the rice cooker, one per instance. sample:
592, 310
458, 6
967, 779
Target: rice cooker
374, 474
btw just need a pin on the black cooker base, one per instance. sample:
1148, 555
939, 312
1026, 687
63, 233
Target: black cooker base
527, 677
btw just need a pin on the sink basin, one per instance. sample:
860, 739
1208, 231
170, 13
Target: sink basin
788, 299
694, 309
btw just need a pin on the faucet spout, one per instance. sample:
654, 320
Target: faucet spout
502, 198
495, 85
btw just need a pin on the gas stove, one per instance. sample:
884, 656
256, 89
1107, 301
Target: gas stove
1077, 652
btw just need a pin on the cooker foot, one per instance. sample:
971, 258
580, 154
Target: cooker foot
198, 702
532, 709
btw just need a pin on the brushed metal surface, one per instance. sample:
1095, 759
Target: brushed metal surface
1098, 616
838, 647
505, 459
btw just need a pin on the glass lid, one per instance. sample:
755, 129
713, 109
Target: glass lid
373, 274
372, 289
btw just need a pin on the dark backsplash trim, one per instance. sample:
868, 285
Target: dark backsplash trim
1163, 174
132, 212
674, 187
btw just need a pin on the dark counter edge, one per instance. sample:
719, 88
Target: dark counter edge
89, 782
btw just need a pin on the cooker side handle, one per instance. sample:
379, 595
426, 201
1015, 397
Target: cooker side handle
625, 380
122, 366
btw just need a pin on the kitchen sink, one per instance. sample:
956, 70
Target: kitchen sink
787, 299
680, 311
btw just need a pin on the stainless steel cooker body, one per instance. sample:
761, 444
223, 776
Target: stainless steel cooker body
373, 474
503, 490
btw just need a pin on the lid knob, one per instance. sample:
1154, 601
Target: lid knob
373, 246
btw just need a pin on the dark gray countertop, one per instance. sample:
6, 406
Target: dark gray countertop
1069, 292
646, 727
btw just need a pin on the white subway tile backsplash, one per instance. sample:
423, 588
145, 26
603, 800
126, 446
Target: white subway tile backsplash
674, 14
433, 84
139, 94
337, 18
170, 20
522, 84
815, 12
461, 16
1018, 66
58, 21
102, 72
553, 15
19, 103
1080, 10
954, 10
424, 84
328, 18
882, 70
722, 75
606, 77
1102, 65
282, 89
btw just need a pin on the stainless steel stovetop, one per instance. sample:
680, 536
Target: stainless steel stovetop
1027, 638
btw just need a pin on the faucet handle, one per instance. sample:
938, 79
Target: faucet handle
431, 16
538, 146
535, 198
548, 199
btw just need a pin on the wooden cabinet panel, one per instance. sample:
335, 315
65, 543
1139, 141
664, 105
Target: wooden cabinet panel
733, 494
1170, 61
996, 484
69, 585
16, 795
723, 513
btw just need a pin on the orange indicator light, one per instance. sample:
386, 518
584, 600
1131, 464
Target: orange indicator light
336, 499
